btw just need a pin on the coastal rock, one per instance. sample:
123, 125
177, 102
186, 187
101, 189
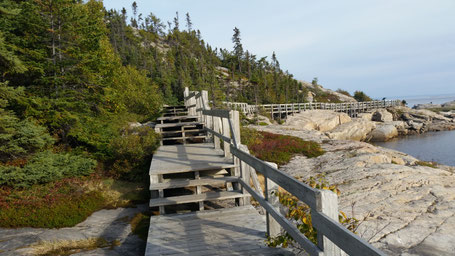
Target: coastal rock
263, 119
365, 116
426, 106
382, 115
112, 225
450, 104
357, 129
403, 208
321, 120
383, 133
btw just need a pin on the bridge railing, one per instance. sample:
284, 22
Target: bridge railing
333, 238
291, 108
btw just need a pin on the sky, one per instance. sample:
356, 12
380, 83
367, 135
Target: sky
386, 48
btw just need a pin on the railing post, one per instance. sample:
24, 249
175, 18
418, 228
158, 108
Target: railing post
245, 171
217, 127
327, 203
227, 133
271, 189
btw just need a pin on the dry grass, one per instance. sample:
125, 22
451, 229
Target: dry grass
66, 247
119, 193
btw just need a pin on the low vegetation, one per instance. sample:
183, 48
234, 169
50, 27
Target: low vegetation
278, 148
361, 96
300, 214
71, 247
140, 225
428, 164
66, 202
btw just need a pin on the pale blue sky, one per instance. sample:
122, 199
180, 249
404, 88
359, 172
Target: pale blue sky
383, 47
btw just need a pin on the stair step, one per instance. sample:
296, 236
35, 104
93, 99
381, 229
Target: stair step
181, 183
177, 124
195, 198
176, 117
179, 106
186, 137
179, 131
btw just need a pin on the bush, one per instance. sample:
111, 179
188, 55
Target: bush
300, 214
53, 205
361, 96
132, 152
45, 167
344, 92
278, 148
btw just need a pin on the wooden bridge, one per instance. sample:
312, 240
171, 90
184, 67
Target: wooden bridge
201, 181
283, 110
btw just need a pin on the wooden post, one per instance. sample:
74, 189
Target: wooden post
217, 127
327, 203
226, 132
186, 92
271, 188
245, 171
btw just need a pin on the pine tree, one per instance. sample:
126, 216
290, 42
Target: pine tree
189, 24
238, 48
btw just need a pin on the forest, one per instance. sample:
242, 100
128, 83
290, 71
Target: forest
75, 76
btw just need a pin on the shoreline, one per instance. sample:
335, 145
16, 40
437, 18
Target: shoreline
403, 205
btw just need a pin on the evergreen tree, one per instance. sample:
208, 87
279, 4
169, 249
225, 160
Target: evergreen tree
189, 24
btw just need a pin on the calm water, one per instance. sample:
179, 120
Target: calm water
431, 146
435, 99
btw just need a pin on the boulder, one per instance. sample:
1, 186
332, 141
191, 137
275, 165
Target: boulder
321, 120
355, 130
365, 116
382, 115
263, 119
383, 133
450, 104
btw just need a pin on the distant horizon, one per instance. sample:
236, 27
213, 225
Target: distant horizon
377, 47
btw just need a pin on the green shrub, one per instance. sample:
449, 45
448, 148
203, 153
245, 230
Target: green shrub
53, 205
45, 167
132, 152
361, 96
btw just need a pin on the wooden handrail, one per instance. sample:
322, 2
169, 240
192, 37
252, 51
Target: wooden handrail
330, 232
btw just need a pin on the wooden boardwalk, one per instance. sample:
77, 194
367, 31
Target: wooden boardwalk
229, 231
240, 230
188, 157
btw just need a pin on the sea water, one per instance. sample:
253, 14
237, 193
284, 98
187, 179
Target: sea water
430, 146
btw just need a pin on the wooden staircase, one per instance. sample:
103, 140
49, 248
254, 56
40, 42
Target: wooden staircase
186, 171
177, 127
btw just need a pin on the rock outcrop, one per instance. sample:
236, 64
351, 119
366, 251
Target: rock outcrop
320, 120
403, 208
357, 129
383, 132
382, 115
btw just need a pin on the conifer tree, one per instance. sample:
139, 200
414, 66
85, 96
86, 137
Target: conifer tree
189, 24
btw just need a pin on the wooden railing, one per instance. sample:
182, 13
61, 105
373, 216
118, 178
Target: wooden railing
333, 238
347, 107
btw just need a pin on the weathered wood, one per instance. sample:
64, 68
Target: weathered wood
226, 133
284, 222
221, 136
302, 191
217, 112
273, 227
345, 239
190, 157
217, 128
327, 203
195, 198
215, 232
181, 183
